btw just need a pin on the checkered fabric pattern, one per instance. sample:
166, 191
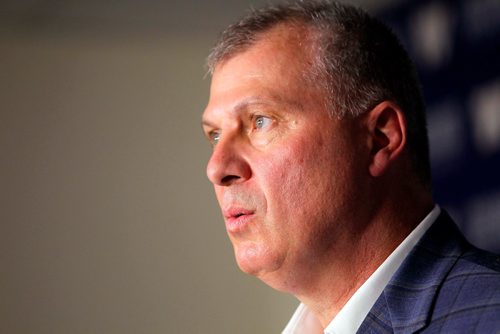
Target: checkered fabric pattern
445, 285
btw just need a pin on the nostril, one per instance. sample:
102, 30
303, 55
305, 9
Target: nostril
228, 179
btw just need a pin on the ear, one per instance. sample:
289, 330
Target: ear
387, 131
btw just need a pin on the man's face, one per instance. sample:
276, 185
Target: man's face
285, 173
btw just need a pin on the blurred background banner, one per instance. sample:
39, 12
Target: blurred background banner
456, 47
108, 223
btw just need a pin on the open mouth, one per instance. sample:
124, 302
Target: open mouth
236, 213
237, 218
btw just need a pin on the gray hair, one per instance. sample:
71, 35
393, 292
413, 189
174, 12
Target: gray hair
359, 62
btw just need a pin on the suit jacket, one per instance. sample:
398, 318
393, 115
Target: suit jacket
445, 285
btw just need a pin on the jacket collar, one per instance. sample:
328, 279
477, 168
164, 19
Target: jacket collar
406, 302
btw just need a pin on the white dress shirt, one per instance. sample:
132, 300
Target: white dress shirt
351, 316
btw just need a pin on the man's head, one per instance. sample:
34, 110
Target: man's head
357, 60
311, 125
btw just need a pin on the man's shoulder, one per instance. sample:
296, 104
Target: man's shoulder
472, 271
473, 280
477, 259
445, 285
475, 273
468, 300
468, 297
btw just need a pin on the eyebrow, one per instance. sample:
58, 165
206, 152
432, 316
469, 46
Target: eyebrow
254, 100
240, 107
204, 122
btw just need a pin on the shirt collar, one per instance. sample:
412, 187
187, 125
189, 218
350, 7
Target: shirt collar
358, 306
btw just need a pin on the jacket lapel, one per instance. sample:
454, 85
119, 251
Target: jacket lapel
406, 303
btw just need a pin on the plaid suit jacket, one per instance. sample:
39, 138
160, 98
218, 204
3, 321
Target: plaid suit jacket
445, 285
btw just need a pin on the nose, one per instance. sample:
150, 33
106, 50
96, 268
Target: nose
227, 166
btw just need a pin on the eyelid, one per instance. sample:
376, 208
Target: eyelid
256, 116
213, 134
210, 134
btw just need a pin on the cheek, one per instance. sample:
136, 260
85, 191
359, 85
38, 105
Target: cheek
292, 178
308, 185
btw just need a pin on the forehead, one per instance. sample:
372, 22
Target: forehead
277, 66
294, 43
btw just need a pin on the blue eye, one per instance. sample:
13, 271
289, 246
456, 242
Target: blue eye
214, 137
262, 122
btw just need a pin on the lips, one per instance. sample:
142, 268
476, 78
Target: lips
237, 218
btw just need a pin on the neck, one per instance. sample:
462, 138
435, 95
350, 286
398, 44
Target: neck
343, 270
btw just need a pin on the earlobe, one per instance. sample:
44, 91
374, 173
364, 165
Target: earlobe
387, 130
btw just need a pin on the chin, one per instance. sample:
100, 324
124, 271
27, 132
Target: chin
260, 262
249, 258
